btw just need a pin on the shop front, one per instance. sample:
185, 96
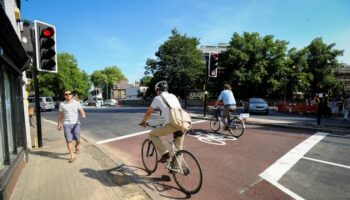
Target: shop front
13, 61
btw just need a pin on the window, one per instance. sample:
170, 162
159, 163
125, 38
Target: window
2, 134
8, 107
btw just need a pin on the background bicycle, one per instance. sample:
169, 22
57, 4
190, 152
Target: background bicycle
182, 164
236, 125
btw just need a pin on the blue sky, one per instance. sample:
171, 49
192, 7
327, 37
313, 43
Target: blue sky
126, 33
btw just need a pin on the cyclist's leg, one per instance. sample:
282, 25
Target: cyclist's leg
161, 131
226, 115
178, 144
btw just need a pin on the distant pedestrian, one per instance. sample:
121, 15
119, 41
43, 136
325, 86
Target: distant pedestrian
346, 108
68, 113
334, 107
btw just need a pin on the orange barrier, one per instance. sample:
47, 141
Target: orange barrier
297, 107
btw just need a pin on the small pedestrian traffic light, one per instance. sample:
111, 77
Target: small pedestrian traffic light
45, 45
213, 64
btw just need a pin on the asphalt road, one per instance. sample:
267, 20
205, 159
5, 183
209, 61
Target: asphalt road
265, 163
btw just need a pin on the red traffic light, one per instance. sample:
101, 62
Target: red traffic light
48, 32
214, 56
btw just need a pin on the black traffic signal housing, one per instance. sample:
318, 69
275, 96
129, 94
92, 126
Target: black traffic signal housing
213, 64
45, 45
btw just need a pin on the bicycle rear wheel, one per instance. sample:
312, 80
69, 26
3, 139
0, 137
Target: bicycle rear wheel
149, 156
236, 127
215, 123
187, 172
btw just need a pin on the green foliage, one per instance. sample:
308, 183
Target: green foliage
179, 62
321, 60
254, 65
69, 77
106, 78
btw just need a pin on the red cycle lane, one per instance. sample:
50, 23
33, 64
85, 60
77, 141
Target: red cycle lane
230, 167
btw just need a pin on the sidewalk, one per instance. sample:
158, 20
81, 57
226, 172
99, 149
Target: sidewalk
49, 176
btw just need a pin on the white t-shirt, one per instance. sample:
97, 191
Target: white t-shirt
70, 111
158, 103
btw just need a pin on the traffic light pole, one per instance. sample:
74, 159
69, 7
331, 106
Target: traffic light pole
36, 91
206, 85
37, 107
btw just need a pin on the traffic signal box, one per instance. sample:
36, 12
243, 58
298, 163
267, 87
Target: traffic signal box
45, 43
213, 64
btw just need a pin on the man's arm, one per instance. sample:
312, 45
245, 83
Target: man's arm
217, 102
147, 115
82, 113
59, 120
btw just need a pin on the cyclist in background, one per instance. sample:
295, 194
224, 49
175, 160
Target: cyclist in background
161, 89
229, 103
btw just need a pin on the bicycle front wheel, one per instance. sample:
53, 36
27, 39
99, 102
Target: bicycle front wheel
149, 156
236, 127
215, 123
187, 172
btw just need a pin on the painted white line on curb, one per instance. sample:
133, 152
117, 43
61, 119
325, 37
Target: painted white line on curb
286, 162
328, 163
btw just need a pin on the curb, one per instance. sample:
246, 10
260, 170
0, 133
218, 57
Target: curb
151, 194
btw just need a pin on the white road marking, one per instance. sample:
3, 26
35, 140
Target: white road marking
135, 134
286, 162
325, 162
52, 122
122, 137
199, 121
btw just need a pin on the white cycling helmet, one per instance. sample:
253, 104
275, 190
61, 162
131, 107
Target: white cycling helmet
161, 86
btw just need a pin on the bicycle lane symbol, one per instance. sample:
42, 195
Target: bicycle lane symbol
212, 138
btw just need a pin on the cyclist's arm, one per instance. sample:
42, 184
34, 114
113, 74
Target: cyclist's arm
147, 114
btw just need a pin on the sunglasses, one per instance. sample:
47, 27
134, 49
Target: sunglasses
66, 94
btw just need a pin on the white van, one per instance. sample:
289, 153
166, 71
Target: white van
46, 103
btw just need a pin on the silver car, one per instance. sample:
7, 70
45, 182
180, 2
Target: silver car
257, 105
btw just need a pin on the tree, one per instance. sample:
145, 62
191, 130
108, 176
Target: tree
253, 65
69, 77
106, 78
179, 62
322, 60
298, 76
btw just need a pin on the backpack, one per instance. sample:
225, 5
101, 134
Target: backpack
179, 118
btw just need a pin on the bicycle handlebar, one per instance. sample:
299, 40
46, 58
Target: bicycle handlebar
147, 124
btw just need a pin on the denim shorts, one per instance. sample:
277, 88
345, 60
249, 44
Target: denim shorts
71, 132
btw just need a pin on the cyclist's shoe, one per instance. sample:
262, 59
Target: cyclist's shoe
174, 170
164, 157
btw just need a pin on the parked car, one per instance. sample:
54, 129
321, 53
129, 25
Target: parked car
111, 102
256, 105
46, 103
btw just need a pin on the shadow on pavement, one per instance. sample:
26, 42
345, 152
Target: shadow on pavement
127, 174
52, 155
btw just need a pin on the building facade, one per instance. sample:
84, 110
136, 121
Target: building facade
343, 75
13, 61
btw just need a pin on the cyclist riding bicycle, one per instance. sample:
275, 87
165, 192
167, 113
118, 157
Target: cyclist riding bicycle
229, 103
161, 89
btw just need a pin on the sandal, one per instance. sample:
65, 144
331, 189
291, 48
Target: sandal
77, 150
71, 160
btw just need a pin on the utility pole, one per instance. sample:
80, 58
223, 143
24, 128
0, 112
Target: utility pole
205, 88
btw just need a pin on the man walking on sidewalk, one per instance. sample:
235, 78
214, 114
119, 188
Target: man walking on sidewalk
68, 111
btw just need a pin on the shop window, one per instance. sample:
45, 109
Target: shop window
8, 107
2, 133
